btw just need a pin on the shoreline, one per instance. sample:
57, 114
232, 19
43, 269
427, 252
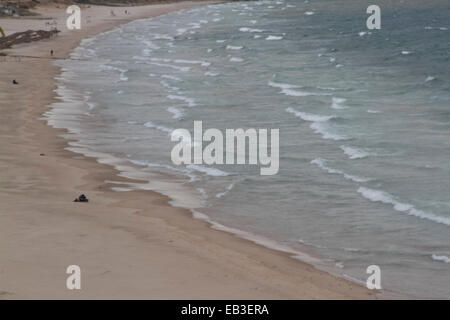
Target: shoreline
252, 271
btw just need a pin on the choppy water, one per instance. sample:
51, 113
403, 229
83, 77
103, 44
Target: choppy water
364, 119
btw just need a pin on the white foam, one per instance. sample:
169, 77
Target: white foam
189, 101
245, 29
165, 84
122, 76
234, 47
323, 129
321, 163
274, 38
309, 13
177, 113
183, 69
121, 189
161, 128
429, 78
282, 85
354, 153
236, 59
386, 198
211, 74
319, 124
208, 171
257, 239
336, 103
288, 89
373, 111
170, 77
91, 105
440, 258
163, 37
404, 52
202, 63
309, 116
227, 190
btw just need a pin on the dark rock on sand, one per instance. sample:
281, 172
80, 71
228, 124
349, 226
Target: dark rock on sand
81, 198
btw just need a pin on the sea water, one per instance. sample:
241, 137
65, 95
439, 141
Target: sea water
364, 120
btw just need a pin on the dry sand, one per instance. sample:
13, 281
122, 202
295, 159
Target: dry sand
129, 245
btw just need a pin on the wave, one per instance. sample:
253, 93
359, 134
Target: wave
181, 170
234, 47
386, 198
321, 163
440, 258
208, 170
202, 63
245, 29
336, 103
307, 243
354, 153
122, 72
288, 89
283, 85
189, 101
170, 77
210, 74
227, 190
274, 38
183, 69
165, 84
236, 59
319, 124
158, 36
309, 116
177, 114
159, 127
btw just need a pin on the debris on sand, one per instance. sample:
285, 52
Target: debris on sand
25, 36
81, 198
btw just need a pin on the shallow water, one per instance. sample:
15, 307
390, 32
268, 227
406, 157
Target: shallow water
363, 115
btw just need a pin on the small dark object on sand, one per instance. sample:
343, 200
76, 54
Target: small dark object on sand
81, 198
15, 82
51, 52
42, 154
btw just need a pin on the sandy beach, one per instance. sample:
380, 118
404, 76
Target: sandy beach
130, 245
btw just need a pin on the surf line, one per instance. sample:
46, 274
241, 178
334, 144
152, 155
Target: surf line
189, 151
